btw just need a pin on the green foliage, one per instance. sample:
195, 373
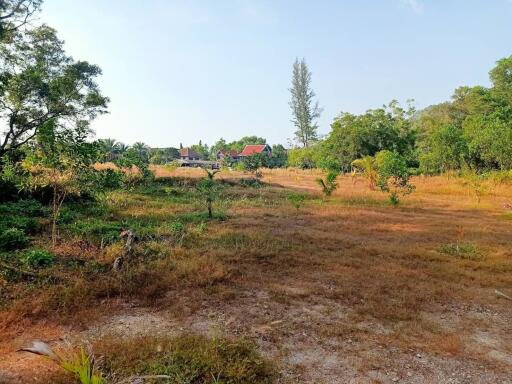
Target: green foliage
163, 155
328, 185
254, 162
107, 179
303, 158
38, 258
393, 175
304, 111
12, 239
41, 85
368, 169
461, 250
209, 190
297, 200
355, 136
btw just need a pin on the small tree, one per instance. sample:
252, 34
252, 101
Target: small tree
393, 175
297, 200
366, 167
60, 160
209, 190
328, 185
254, 162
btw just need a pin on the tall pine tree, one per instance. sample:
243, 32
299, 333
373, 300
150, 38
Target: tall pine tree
304, 110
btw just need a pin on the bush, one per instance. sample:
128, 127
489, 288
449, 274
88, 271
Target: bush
13, 238
107, 179
38, 258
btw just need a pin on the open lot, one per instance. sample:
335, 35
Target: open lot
341, 290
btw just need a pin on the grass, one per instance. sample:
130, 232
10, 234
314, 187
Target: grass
351, 268
187, 358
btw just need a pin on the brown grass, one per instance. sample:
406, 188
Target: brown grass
347, 268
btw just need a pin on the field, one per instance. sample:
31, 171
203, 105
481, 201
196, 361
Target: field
346, 289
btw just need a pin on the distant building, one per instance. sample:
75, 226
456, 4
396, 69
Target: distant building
227, 155
254, 149
188, 154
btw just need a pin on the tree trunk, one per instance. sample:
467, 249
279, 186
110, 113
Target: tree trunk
210, 214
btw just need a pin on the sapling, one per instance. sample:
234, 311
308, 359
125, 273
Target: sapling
328, 185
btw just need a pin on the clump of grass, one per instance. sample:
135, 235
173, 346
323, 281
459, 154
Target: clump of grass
186, 359
79, 363
464, 251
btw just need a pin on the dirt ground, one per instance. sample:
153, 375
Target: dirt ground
346, 290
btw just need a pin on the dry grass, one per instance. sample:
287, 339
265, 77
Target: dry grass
347, 268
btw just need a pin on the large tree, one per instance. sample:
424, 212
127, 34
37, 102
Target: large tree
305, 111
40, 83
14, 14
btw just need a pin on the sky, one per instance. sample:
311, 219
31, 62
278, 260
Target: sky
181, 71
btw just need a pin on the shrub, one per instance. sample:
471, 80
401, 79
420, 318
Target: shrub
108, 179
328, 185
393, 175
296, 199
38, 258
462, 250
13, 238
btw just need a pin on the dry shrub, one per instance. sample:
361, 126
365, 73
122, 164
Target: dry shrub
201, 271
113, 251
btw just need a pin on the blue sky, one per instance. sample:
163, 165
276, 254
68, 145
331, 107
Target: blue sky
181, 71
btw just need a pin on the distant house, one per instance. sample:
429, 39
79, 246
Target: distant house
254, 149
227, 155
188, 154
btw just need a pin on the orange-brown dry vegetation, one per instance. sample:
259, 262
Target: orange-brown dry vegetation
344, 289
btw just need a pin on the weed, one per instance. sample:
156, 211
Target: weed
79, 363
462, 250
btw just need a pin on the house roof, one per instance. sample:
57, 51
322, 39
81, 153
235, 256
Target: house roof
253, 149
187, 152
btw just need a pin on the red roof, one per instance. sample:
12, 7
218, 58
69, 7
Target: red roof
253, 149
187, 152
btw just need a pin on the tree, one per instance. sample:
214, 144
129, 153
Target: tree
304, 112
393, 175
367, 168
61, 159
108, 148
279, 157
355, 136
303, 158
142, 151
14, 14
40, 84
209, 189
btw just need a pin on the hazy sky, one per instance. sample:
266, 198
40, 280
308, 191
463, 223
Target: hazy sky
180, 71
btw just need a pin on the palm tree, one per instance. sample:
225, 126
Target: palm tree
121, 148
366, 167
108, 149
142, 150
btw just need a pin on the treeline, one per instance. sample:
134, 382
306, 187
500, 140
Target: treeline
110, 150
471, 131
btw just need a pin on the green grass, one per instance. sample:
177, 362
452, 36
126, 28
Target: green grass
464, 251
